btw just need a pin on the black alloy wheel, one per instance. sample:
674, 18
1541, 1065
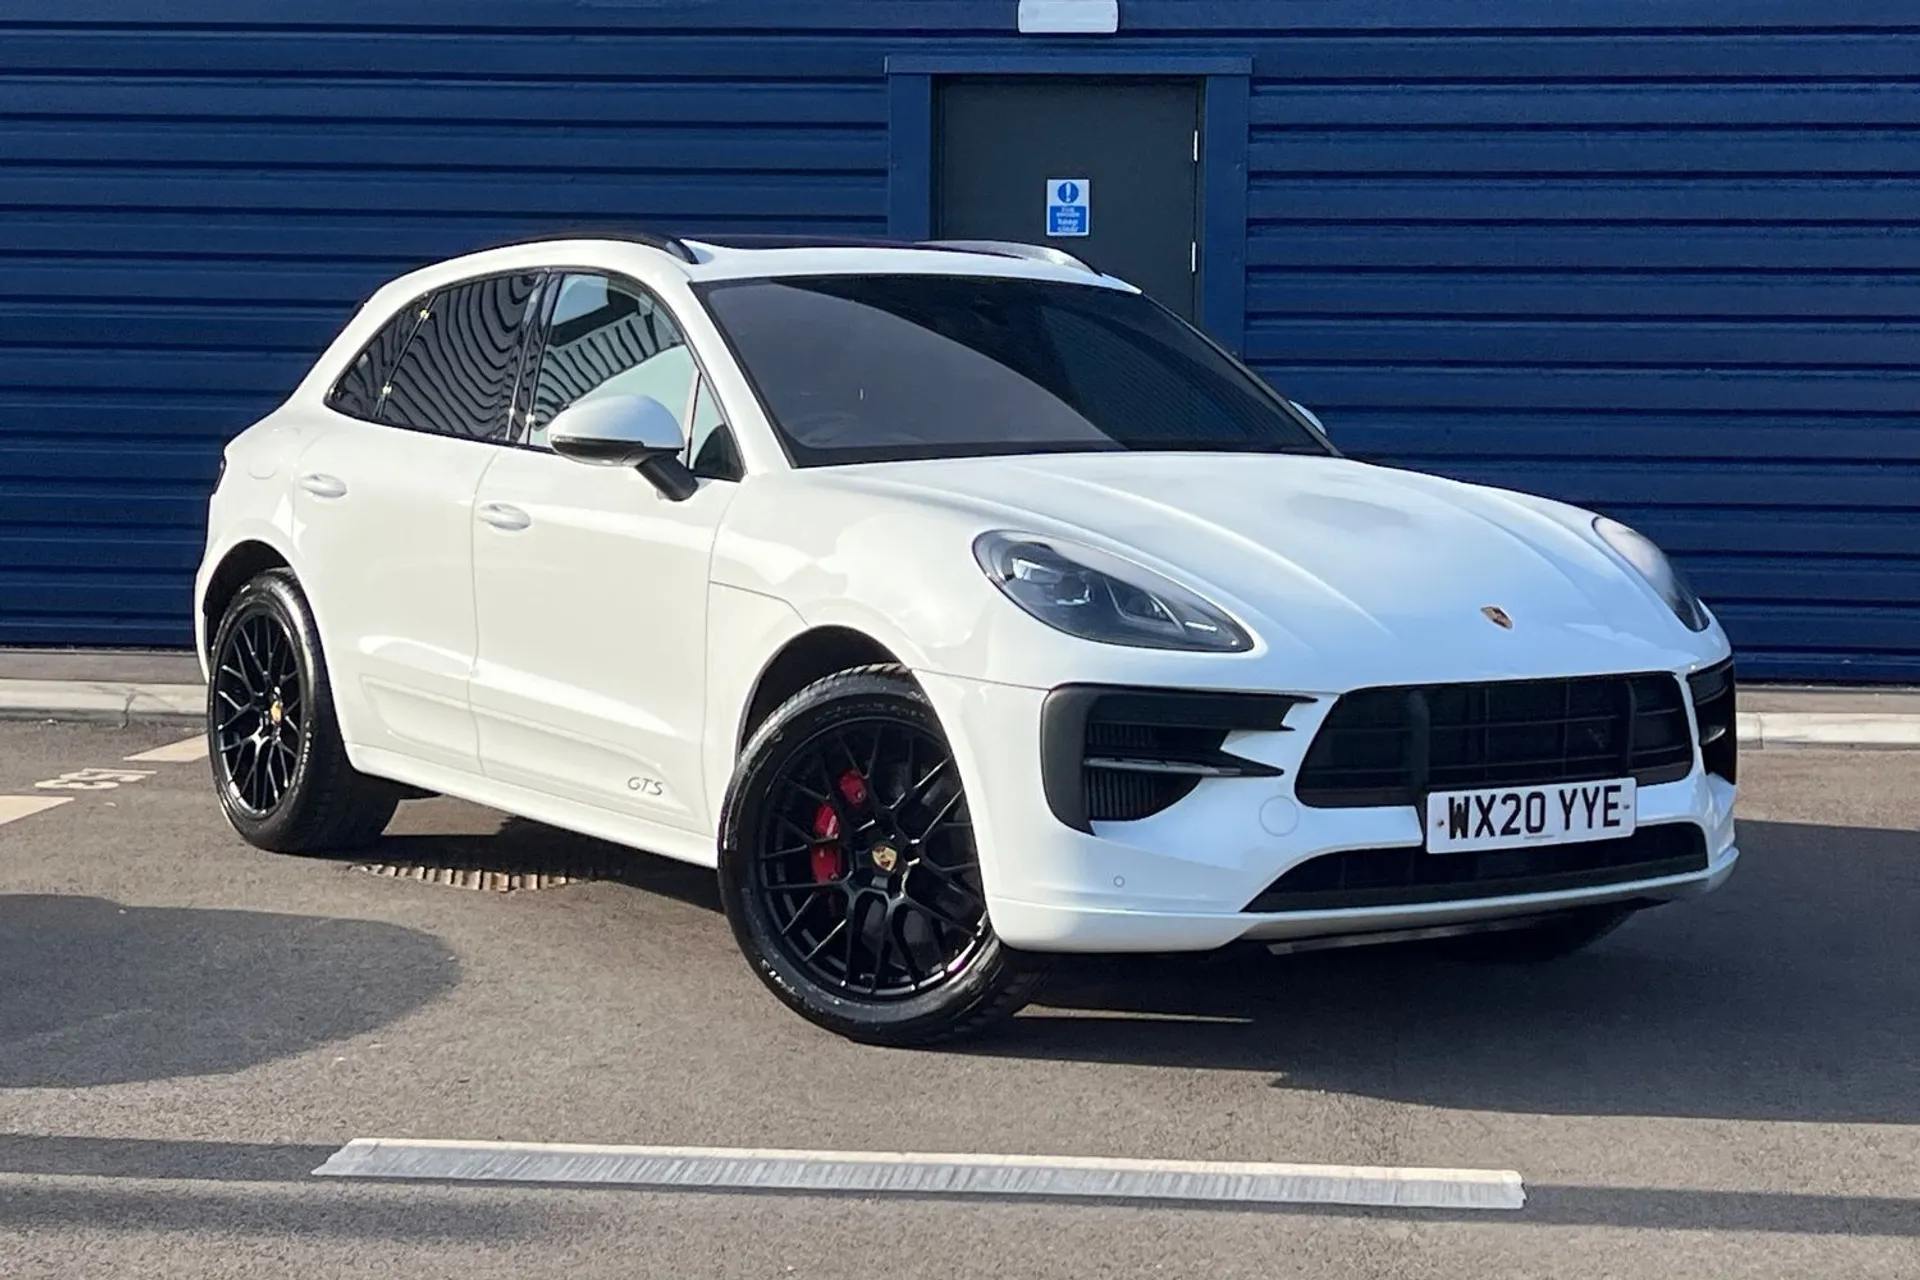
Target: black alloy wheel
866, 858
280, 768
259, 710
850, 873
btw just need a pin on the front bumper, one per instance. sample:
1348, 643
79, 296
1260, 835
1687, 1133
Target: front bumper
1180, 879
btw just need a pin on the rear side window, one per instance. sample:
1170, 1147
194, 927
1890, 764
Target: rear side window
609, 338
358, 392
457, 374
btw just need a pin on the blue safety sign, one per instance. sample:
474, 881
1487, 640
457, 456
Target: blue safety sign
1069, 206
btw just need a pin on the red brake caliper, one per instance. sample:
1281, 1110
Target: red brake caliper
829, 860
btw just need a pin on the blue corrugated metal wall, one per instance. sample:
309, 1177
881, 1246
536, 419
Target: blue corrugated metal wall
1660, 257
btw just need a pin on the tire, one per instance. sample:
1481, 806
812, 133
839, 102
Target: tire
292, 790
881, 937
1555, 938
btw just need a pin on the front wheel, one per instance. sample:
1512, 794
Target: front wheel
279, 766
849, 873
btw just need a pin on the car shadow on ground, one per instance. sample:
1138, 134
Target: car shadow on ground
1792, 994
93, 992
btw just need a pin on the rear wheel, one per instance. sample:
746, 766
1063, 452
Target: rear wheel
279, 766
1552, 939
849, 872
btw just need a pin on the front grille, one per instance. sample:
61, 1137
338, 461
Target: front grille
1713, 710
1411, 875
1391, 746
1119, 755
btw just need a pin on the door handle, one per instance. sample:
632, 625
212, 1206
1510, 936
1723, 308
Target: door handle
323, 486
502, 515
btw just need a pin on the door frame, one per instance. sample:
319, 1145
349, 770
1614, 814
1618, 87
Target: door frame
1225, 109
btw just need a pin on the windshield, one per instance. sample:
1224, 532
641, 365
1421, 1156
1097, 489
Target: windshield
892, 367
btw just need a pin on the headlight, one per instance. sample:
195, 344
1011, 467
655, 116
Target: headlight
1096, 596
1661, 573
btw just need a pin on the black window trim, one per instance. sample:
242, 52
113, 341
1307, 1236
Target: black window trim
703, 288
533, 347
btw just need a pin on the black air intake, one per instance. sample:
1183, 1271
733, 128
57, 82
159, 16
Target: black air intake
1118, 755
1713, 709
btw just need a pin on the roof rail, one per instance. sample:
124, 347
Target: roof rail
771, 240
1014, 249
666, 244
669, 244
680, 248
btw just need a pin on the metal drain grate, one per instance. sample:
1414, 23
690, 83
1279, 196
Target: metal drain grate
474, 877
506, 874
447, 843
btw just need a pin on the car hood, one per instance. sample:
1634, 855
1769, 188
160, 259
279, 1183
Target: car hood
1330, 556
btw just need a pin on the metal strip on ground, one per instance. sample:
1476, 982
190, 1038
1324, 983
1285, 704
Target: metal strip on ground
901, 1173
13, 808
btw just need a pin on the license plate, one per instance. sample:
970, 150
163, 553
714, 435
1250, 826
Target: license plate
1512, 817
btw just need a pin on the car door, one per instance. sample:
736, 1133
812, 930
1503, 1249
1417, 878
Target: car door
590, 586
384, 515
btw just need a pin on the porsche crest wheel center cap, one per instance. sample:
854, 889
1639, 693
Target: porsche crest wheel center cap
885, 857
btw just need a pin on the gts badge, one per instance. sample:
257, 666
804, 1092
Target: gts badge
646, 787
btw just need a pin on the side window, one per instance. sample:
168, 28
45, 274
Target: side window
712, 453
608, 338
457, 375
358, 392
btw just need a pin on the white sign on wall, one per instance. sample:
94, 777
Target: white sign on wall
1069, 17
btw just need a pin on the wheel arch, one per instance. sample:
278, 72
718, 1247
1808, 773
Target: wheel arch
813, 654
239, 565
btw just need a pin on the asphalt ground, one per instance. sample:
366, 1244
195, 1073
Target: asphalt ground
188, 1027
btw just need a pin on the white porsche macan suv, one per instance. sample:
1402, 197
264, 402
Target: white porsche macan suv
961, 605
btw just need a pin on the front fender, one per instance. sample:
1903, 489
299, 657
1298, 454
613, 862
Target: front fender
899, 570
745, 629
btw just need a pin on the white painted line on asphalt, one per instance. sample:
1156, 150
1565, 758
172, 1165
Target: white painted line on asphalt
901, 1173
94, 779
16, 807
181, 752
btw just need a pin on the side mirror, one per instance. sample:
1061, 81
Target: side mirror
626, 431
